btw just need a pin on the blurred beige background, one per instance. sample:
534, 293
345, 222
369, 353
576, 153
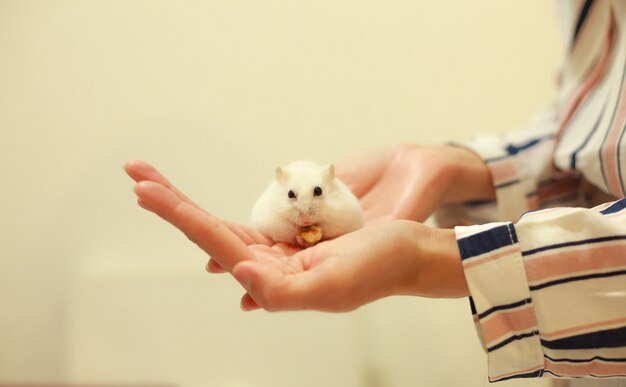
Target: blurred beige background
217, 94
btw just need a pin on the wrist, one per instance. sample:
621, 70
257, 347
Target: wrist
434, 263
469, 176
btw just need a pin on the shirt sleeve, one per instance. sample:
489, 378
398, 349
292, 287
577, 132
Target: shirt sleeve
520, 165
579, 136
548, 293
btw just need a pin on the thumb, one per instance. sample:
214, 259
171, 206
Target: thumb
272, 288
264, 285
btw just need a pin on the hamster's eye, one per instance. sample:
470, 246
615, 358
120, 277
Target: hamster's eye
291, 194
317, 191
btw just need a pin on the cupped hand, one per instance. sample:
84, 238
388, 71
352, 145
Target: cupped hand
408, 181
379, 260
336, 275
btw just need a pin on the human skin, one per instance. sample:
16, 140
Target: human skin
393, 254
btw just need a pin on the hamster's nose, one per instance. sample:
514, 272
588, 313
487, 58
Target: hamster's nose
306, 219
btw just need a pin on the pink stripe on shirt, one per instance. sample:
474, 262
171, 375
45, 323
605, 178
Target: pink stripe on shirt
590, 82
576, 259
595, 367
501, 324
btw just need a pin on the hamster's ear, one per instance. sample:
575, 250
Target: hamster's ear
281, 175
329, 173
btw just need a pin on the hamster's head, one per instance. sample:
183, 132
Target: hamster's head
303, 188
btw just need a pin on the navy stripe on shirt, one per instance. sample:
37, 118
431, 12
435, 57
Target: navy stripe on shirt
511, 339
594, 129
487, 241
573, 243
608, 338
503, 307
512, 150
608, 132
615, 207
588, 360
576, 278
581, 19
534, 374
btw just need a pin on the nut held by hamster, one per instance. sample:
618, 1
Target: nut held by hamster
306, 204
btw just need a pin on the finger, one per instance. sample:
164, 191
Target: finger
143, 205
141, 171
248, 304
214, 268
350, 171
258, 281
207, 231
248, 235
272, 289
276, 250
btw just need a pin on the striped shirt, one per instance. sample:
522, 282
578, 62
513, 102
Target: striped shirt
548, 289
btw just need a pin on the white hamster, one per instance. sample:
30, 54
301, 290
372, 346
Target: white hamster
303, 195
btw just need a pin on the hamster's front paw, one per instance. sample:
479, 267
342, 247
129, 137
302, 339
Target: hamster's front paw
309, 236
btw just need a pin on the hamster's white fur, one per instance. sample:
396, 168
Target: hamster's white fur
281, 217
